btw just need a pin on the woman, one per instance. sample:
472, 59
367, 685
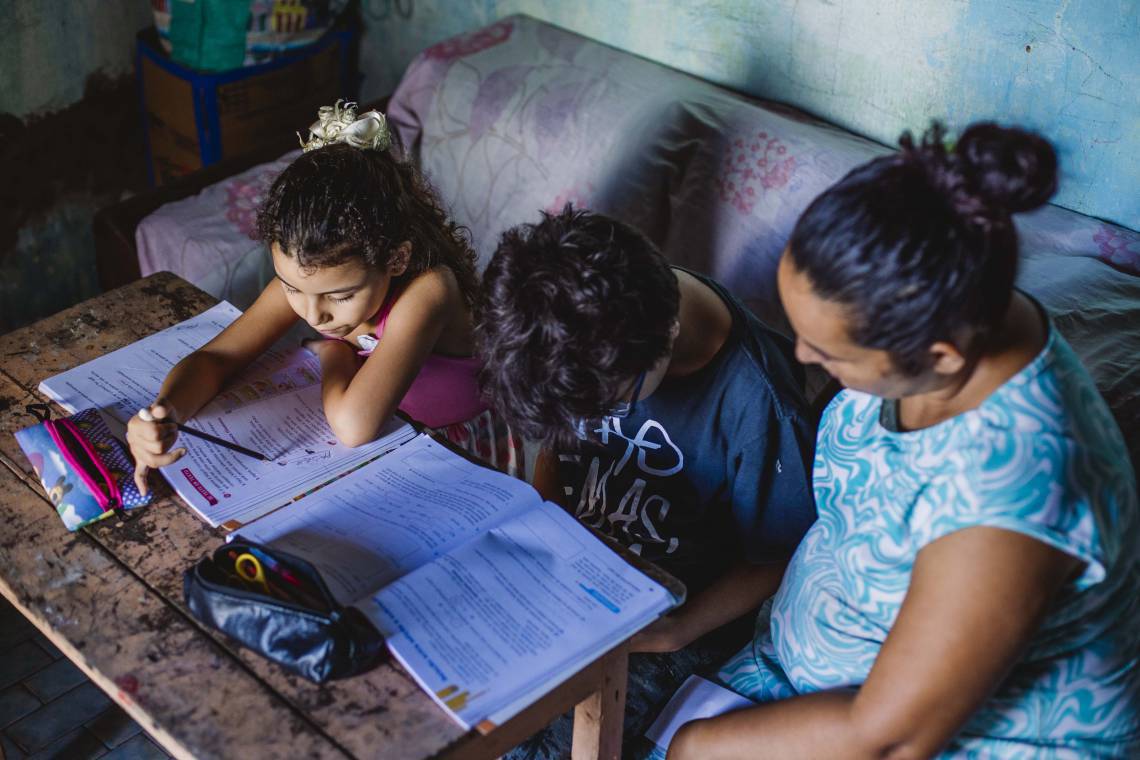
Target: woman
970, 587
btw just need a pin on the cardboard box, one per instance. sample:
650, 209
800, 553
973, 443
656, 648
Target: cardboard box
193, 119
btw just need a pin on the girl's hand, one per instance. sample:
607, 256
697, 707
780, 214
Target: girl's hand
150, 434
312, 345
322, 346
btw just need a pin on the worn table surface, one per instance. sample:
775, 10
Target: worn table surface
110, 596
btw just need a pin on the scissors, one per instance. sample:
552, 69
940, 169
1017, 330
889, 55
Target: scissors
275, 567
249, 569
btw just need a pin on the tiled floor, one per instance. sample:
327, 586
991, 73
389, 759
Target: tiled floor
48, 708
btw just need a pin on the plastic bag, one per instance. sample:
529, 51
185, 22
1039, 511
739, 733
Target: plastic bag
218, 35
208, 35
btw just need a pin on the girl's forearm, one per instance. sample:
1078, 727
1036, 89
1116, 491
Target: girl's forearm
193, 382
353, 424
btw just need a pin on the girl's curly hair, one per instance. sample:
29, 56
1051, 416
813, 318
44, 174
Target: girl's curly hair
337, 203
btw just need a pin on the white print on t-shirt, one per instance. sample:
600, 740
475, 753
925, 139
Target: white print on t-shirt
592, 497
641, 443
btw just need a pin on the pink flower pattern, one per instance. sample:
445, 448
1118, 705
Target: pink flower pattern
468, 44
751, 167
244, 197
576, 195
1118, 248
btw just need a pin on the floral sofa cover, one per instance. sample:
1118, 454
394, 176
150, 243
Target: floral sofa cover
522, 116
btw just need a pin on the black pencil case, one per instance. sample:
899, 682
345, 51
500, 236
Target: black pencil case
287, 615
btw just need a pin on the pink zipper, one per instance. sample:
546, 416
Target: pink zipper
111, 500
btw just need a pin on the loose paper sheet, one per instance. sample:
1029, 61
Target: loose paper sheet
697, 698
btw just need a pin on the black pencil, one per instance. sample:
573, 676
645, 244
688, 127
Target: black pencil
146, 416
222, 442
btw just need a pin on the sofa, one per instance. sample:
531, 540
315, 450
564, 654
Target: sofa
521, 116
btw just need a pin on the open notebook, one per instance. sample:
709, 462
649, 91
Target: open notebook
489, 596
273, 408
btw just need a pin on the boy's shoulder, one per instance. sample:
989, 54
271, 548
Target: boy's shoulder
757, 365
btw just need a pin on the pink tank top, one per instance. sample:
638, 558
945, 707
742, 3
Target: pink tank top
446, 390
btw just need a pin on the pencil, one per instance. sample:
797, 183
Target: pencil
145, 414
222, 442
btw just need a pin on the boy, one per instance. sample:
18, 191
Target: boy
671, 419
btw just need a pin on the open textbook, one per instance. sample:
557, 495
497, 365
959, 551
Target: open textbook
487, 595
274, 408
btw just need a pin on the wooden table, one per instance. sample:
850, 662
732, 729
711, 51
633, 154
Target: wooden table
110, 597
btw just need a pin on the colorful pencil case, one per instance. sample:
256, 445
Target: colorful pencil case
85, 471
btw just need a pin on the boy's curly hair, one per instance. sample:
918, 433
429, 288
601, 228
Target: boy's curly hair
572, 309
337, 203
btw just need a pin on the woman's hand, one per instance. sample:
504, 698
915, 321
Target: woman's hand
975, 599
150, 434
685, 743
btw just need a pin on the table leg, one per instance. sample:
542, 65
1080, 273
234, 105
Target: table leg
598, 717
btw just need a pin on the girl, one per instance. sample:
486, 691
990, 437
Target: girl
364, 254
970, 587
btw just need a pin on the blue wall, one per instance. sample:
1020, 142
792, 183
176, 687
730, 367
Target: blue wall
1067, 68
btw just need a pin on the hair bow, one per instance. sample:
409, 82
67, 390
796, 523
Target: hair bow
339, 123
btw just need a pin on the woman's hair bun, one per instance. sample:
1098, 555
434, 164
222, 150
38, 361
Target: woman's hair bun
1009, 169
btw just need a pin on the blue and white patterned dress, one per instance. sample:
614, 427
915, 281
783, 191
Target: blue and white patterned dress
1041, 456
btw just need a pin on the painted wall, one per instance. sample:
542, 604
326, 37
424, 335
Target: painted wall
48, 49
70, 143
1068, 68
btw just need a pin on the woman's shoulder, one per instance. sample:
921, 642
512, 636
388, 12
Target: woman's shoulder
1049, 436
1052, 397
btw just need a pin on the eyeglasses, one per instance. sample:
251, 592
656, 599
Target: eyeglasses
620, 410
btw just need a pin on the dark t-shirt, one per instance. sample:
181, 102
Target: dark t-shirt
712, 467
